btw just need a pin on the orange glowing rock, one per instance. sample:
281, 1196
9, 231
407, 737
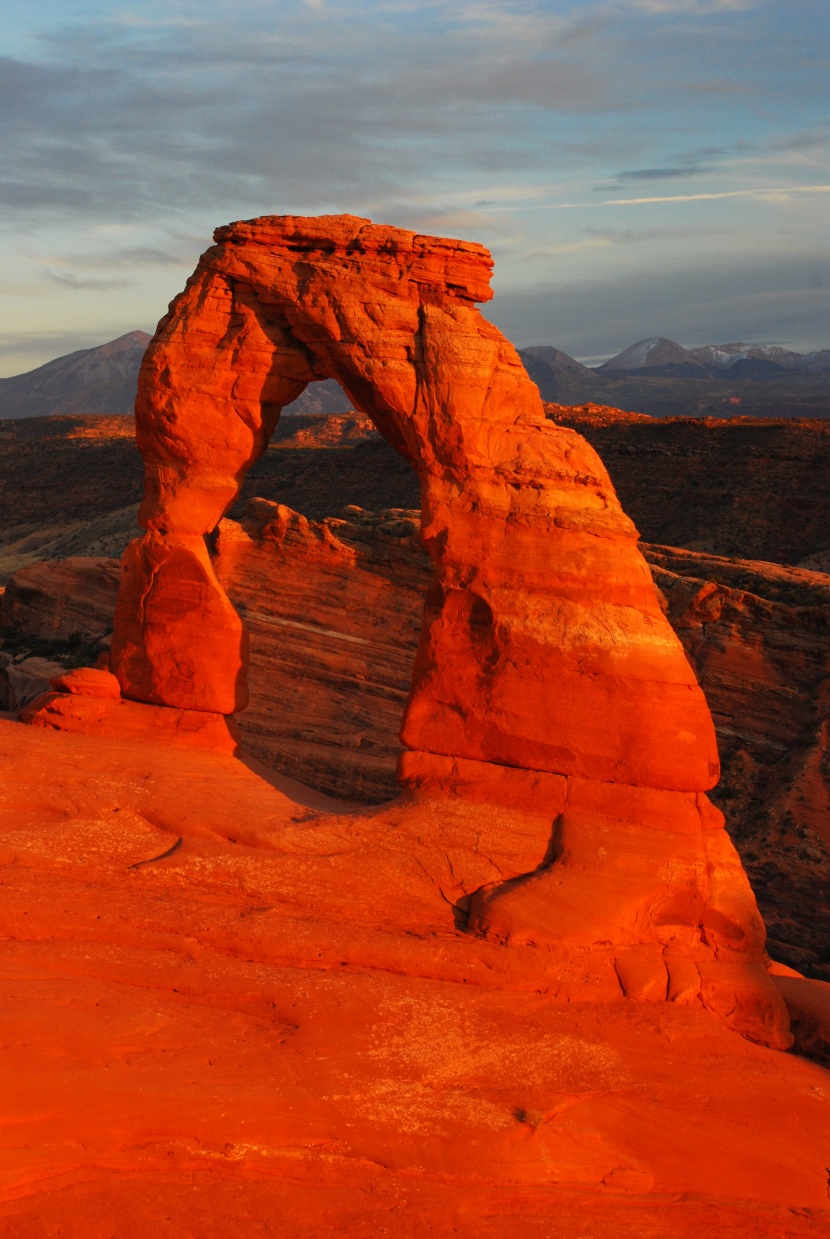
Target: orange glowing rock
545, 661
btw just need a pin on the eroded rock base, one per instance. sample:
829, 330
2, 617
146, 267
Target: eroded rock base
643, 885
88, 701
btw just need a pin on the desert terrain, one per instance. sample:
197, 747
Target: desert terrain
313, 976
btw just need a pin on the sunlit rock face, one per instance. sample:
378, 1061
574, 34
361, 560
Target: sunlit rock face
546, 677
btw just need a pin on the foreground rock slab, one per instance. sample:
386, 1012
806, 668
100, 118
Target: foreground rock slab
240, 1038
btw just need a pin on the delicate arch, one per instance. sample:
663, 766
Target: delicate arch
547, 679
543, 644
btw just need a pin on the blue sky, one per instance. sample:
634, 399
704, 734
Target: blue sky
637, 167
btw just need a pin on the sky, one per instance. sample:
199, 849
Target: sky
637, 167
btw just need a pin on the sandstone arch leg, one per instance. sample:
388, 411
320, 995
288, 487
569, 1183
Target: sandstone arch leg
544, 653
177, 639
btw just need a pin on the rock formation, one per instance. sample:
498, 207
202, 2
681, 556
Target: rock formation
59, 599
333, 609
547, 680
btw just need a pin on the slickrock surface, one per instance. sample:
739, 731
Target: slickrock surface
757, 489
229, 1039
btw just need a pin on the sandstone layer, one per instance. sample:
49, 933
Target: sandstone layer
546, 671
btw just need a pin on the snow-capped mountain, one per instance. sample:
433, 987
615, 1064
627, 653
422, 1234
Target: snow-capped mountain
657, 355
725, 356
646, 354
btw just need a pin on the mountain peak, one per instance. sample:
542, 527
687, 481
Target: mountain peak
91, 380
655, 351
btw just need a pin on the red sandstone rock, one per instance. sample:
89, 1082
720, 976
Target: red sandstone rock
758, 636
219, 1038
334, 615
169, 589
334, 611
808, 1002
61, 598
281, 301
87, 682
100, 714
543, 645
23, 680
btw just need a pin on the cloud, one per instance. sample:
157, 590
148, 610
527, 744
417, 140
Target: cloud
661, 174
77, 283
770, 298
136, 257
127, 138
695, 8
778, 193
567, 247
234, 114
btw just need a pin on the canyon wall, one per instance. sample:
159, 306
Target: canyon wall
720, 486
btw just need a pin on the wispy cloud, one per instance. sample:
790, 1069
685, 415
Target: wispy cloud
567, 247
778, 192
78, 283
662, 174
139, 256
695, 8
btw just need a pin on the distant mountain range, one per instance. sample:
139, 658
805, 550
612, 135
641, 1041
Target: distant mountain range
660, 377
655, 376
659, 356
104, 380
93, 380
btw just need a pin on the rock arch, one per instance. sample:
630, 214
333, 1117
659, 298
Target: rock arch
544, 654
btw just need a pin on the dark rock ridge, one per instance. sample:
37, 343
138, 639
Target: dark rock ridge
751, 489
69, 486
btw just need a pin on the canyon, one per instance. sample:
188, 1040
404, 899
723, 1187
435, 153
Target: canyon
548, 906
